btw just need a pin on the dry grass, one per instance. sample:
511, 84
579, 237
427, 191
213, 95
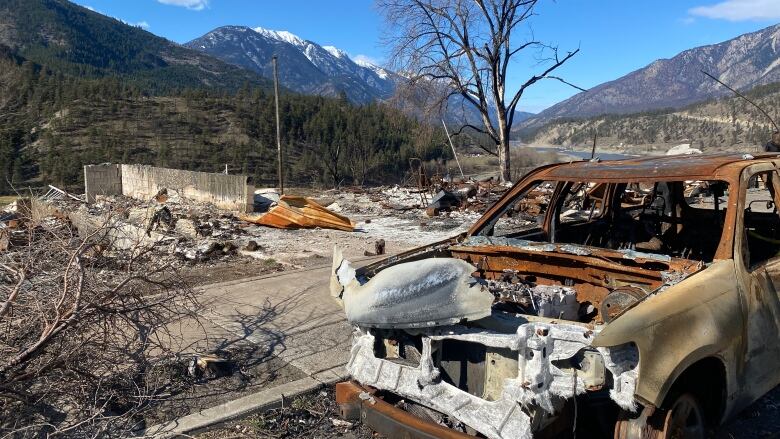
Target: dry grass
7, 199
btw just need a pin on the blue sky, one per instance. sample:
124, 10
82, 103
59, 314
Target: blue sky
615, 36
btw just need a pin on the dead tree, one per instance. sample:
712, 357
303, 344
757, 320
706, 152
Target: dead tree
465, 48
85, 345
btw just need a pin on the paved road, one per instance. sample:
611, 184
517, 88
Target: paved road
289, 315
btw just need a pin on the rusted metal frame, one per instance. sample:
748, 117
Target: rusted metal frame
556, 203
386, 419
741, 195
673, 263
384, 263
584, 268
724, 250
541, 175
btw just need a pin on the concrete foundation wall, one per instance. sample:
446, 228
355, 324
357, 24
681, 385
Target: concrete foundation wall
230, 192
105, 179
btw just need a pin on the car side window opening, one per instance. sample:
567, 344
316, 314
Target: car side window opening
523, 216
761, 220
676, 218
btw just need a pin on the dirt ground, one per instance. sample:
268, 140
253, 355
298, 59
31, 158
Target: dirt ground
314, 416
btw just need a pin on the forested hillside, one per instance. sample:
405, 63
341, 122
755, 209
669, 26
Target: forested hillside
52, 124
75, 41
728, 123
78, 87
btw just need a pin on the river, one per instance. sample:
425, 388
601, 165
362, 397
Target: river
583, 154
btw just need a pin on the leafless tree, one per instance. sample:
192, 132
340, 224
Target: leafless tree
467, 46
85, 332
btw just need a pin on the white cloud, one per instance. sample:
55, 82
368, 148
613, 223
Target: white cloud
365, 59
142, 24
740, 10
195, 5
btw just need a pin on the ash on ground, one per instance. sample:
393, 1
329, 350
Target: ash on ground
314, 415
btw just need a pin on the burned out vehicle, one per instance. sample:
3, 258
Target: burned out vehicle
632, 298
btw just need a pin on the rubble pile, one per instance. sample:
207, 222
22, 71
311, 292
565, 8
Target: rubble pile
369, 221
195, 232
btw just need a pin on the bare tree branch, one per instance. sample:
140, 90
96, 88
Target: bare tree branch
465, 48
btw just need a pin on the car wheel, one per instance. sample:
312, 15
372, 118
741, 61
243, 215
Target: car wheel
683, 419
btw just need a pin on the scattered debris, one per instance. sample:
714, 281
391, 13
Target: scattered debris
161, 216
162, 195
209, 367
292, 212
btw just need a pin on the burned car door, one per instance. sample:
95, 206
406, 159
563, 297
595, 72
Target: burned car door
761, 258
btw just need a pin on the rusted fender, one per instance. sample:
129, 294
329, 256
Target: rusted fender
698, 318
386, 419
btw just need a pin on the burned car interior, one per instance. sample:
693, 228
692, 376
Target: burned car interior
495, 332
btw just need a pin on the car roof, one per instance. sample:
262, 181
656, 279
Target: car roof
659, 167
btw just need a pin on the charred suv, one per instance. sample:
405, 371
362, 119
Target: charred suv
634, 298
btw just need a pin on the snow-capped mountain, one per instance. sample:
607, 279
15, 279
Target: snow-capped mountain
304, 66
743, 62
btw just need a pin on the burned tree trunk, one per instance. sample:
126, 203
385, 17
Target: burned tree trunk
464, 48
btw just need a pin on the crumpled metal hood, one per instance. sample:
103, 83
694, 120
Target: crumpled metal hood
424, 293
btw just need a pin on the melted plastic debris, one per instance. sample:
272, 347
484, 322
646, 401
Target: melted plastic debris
479, 241
633, 255
423, 293
574, 249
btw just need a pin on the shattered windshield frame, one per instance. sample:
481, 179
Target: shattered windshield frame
669, 217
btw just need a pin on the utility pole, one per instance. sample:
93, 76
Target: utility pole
446, 131
278, 131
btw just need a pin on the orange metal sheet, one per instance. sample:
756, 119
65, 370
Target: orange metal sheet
294, 212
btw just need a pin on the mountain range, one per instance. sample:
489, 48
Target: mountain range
77, 41
304, 66
309, 68
743, 62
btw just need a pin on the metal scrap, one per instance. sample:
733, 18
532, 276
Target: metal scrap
293, 212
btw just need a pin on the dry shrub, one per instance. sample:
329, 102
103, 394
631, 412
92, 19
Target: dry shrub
84, 344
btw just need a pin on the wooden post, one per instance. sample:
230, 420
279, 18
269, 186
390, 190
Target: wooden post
593, 151
278, 130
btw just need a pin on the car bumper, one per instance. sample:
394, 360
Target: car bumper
386, 419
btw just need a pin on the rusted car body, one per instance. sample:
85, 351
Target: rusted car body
645, 288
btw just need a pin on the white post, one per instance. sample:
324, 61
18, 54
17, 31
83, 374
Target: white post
453, 149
